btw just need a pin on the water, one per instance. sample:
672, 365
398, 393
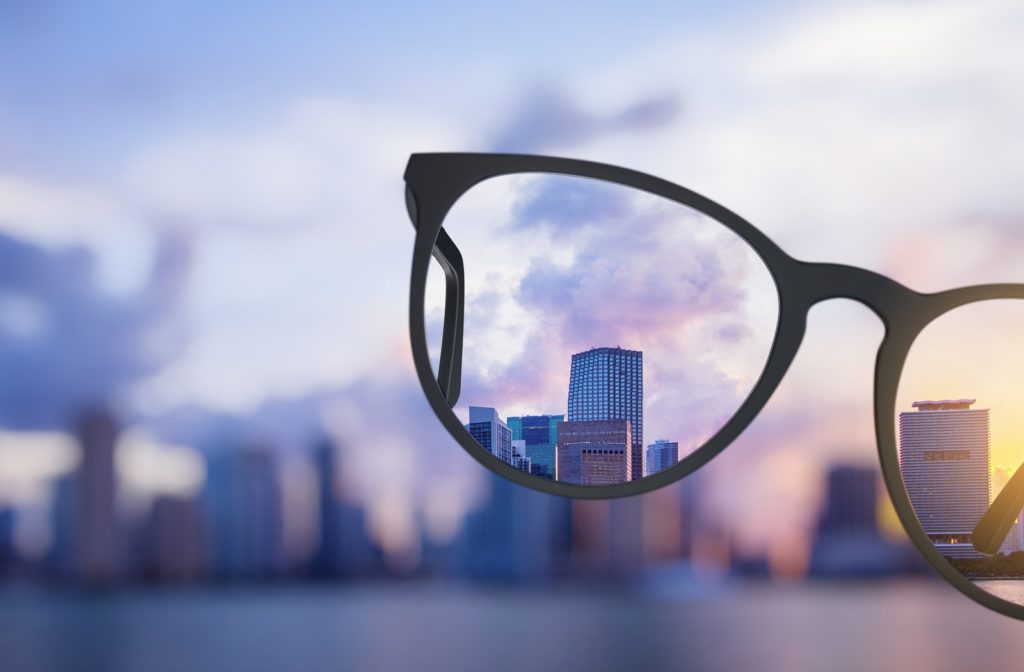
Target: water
1011, 590
877, 626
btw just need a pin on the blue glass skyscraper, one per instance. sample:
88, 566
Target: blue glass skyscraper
608, 384
540, 432
661, 454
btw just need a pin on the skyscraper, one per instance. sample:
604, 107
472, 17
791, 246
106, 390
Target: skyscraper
540, 432
345, 547
661, 454
946, 462
608, 384
490, 432
245, 513
848, 542
94, 518
594, 452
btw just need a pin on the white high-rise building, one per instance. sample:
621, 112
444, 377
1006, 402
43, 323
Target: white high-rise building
491, 432
946, 462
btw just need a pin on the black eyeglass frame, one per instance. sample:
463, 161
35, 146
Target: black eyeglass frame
434, 182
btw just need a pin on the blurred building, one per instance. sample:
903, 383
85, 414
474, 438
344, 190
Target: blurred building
345, 547
608, 384
7, 554
608, 537
661, 454
174, 540
242, 503
540, 434
946, 462
61, 555
848, 542
491, 432
517, 534
94, 544
596, 452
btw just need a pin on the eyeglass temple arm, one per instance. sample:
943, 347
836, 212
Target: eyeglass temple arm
993, 527
449, 369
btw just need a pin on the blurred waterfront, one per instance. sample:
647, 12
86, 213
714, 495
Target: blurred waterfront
894, 625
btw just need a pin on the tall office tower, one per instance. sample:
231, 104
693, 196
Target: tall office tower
946, 461
174, 536
851, 502
490, 432
848, 542
94, 542
661, 454
345, 546
7, 521
245, 513
516, 534
608, 384
594, 452
540, 432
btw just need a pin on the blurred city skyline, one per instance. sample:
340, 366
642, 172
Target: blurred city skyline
254, 517
204, 232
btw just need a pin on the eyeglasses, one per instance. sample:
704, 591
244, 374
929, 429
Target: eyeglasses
588, 309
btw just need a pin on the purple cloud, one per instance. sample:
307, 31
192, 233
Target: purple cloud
66, 345
644, 275
549, 119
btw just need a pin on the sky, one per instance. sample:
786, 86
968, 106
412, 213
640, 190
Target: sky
261, 146
557, 265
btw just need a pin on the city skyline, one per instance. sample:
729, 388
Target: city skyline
240, 524
605, 385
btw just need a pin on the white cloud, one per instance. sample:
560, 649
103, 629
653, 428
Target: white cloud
302, 262
29, 461
54, 213
151, 468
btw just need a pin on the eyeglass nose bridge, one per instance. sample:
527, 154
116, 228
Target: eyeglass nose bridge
811, 283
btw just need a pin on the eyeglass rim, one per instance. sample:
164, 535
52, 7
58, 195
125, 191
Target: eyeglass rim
435, 181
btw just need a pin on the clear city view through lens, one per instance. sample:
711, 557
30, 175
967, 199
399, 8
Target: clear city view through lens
608, 332
957, 453
598, 442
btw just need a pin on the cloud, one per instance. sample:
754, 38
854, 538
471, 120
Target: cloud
549, 119
582, 264
57, 214
65, 344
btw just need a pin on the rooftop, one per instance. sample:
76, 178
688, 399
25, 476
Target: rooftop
944, 405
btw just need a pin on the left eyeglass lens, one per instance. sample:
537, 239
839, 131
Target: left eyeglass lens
608, 332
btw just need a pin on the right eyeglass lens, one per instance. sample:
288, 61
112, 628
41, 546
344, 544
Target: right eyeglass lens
608, 332
960, 423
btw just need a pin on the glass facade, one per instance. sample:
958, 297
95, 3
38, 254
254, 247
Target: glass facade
491, 433
608, 384
540, 434
661, 454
